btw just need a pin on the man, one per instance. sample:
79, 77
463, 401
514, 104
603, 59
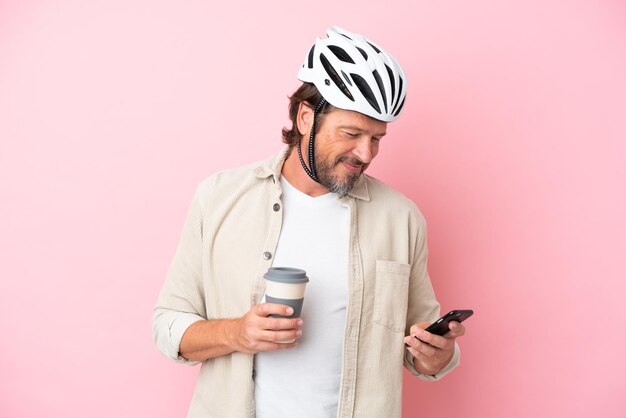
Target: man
362, 244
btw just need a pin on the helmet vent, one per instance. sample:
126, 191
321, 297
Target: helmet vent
311, 56
381, 87
375, 49
362, 53
395, 109
399, 108
341, 54
365, 90
393, 83
345, 77
332, 73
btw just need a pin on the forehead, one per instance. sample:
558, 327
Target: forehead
340, 118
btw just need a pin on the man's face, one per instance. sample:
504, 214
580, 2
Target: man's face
345, 145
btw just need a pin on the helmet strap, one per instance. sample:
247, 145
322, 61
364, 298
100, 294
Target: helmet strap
312, 172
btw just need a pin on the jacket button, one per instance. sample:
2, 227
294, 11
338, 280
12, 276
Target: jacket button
276, 207
267, 255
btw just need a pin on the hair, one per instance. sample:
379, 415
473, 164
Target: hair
307, 93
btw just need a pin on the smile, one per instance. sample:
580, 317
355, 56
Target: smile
352, 168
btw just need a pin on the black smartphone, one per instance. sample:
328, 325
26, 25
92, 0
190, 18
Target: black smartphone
440, 326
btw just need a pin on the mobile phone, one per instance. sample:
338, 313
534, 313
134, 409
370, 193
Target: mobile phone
440, 326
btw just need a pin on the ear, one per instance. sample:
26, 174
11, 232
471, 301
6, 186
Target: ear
305, 118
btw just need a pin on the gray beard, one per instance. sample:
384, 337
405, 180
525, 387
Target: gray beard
331, 182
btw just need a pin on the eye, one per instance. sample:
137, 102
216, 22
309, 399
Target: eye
351, 134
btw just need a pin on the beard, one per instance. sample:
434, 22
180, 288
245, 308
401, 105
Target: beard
325, 166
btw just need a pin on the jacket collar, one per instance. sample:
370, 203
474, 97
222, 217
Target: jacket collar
274, 164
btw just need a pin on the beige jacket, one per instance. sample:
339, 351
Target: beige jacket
226, 246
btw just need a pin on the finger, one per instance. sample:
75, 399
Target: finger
412, 351
427, 365
283, 335
418, 327
270, 323
411, 341
416, 346
456, 330
267, 309
438, 341
273, 346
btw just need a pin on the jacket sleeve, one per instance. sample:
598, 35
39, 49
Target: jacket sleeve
181, 300
423, 305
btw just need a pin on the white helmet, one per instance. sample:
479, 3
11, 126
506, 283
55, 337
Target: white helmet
353, 73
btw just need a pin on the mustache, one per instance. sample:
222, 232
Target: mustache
352, 161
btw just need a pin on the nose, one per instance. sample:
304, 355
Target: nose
364, 151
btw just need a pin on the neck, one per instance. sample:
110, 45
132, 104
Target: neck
294, 173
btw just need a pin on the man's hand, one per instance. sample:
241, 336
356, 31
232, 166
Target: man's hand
257, 331
253, 332
432, 352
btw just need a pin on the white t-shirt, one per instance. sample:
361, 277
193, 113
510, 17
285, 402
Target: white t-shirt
304, 381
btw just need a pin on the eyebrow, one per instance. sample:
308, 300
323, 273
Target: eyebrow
360, 130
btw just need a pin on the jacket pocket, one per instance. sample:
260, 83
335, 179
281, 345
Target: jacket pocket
391, 294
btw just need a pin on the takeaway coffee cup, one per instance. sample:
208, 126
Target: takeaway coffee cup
285, 285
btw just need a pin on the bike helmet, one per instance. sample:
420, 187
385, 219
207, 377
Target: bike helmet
353, 73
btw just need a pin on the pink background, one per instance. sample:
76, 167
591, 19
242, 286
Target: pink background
512, 144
